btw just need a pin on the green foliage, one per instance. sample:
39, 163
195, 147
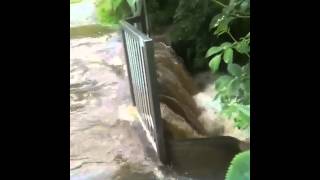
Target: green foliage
110, 12
161, 12
228, 55
189, 31
239, 168
214, 50
222, 25
234, 94
233, 88
215, 62
191, 21
243, 46
235, 70
75, 1
188, 17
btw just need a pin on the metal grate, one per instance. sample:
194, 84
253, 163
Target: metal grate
143, 84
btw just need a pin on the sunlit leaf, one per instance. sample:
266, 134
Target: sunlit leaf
215, 21
239, 168
242, 120
226, 45
223, 26
215, 62
244, 109
213, 50
230, 112
228, 55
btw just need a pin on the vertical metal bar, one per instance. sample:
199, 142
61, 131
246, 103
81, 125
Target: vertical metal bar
137, 79
137, 73
138, 66
147, 95
155, 108
132, 64
143, 76
124, 39
144, 19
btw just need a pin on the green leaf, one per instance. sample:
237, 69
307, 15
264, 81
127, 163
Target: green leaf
244, 109
239, 168
226, 45
246, 85
75, 1
234, 87
213, 50
215, 62
230, 111
246, 68
242, 121
222, 82
245, 6
215, 21
243, 47
228, 55
234, 69
245, 99
248, 35
223, 26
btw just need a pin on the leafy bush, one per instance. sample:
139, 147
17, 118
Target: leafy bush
233, 88
110, 12
190, 36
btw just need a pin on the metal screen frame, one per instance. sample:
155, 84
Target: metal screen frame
139, 55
